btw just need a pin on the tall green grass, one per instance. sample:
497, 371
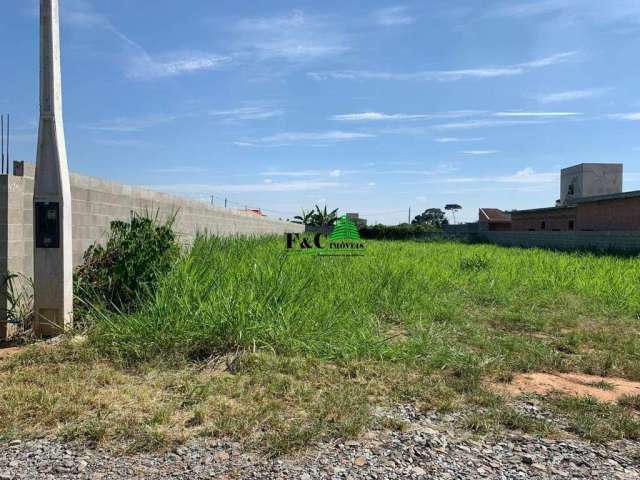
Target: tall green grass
447, 305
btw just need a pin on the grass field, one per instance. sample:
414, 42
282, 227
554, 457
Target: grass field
240, 340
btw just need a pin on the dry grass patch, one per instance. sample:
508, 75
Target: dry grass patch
270, 403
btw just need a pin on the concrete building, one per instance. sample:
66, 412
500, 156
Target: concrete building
591, 199
589, 179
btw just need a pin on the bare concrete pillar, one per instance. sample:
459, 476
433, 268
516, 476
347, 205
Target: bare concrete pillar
53, 291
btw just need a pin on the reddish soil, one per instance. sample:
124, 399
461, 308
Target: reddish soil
576, 384
8, 351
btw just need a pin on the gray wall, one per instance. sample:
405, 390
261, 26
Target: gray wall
623, 242
612, 241
96, 203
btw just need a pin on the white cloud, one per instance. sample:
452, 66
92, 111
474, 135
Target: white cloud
133, 124
293, 186
378, 116
570, 95
536, 114
287, 138
625, 116
306, 173
85, 19
309, 173
293, 20
526, 176
471, 124
447, 75
479, 152
441, 76
593, 11
145, 67
392, 16
529, 175
551, 60
457, 139
178, 169
120, 143
141, 65
246, 113
528, 9
294, 37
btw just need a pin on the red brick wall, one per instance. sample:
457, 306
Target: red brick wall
499, 227
554, 220
620, 214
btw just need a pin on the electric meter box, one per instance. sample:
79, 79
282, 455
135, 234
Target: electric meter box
47, 224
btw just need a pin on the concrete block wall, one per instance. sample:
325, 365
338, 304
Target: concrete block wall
606, 241
95, 204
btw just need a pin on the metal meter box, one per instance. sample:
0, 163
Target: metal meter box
47, 224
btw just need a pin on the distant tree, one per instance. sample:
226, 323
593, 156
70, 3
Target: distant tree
431, 217
453, 208
305, 218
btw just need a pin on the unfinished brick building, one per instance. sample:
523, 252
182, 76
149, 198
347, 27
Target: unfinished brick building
591, 199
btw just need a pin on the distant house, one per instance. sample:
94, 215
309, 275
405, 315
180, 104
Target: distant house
493, 219
355, 218
591, 199
255, 211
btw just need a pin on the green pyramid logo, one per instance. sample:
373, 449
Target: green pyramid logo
345, 229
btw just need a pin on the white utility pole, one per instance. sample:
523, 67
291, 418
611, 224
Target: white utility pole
53, 285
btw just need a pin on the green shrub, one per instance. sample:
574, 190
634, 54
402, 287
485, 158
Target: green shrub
475, 263
135, 255
396, 232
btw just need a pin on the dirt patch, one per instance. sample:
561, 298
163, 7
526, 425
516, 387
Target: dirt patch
605, 389
9, 351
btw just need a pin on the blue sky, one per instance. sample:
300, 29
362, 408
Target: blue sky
371, 107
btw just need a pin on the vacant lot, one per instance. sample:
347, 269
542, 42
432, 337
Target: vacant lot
243, 342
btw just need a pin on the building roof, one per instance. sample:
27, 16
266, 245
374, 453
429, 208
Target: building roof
545, 209
609, 196
494, 215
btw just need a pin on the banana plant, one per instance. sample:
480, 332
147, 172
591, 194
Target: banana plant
305, 218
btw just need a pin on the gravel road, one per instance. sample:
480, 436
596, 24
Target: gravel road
430, 448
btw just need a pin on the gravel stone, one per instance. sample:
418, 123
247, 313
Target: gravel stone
430, 448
